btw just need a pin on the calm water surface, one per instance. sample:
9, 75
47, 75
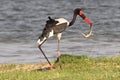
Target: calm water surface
22, 21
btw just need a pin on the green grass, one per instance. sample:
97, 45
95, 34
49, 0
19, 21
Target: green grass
73, 68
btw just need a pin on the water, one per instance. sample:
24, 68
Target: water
22, 21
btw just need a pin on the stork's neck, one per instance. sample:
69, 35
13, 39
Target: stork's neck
73, 19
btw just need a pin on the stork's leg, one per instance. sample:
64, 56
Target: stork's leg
58, 52
39, 46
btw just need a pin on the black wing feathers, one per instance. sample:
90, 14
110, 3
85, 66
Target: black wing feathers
51, 22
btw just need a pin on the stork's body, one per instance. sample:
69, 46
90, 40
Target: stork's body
57, 26
53, 26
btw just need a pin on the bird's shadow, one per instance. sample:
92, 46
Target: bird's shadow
44, 69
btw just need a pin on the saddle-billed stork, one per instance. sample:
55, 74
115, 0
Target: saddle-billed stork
57, 26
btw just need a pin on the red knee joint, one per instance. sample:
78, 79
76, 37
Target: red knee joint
58, 53
39, 46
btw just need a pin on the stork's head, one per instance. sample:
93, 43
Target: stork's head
79, 12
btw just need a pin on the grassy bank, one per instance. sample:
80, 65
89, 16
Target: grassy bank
73, 68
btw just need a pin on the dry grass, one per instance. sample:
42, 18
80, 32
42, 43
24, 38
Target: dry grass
23, 67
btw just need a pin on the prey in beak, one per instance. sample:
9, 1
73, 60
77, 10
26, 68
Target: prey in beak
89, 34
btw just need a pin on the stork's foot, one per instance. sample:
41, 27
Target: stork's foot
58, 59
51, 67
